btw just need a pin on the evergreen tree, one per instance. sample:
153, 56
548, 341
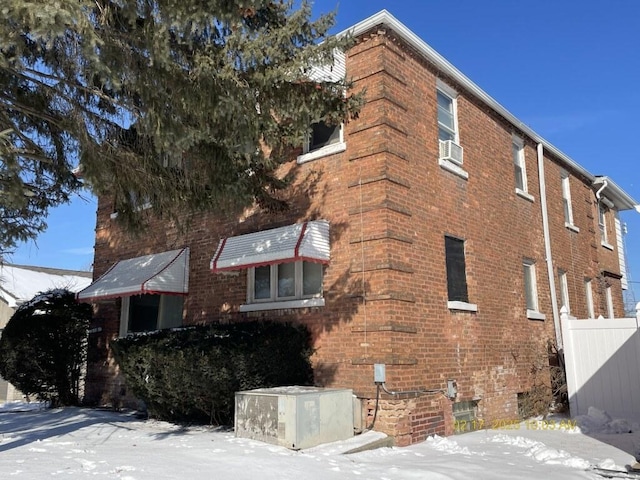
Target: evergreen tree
43, 347
191, 105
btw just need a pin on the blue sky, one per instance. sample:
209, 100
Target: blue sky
569, 69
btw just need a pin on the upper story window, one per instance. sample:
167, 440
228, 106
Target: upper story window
323, 140
602, 224
451, 153
520, 168
323, 135
447, 122
146, 312
457, 275
285, 281
566, 202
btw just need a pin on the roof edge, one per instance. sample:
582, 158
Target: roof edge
386, 18
621, 199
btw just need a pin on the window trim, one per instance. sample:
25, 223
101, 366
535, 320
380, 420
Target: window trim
331, 149
299, 300
564, 290
529, 269
588, 292
452, 96
566, 200
602, 224
519, 160
609, 300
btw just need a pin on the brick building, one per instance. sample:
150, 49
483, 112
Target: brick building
436, 234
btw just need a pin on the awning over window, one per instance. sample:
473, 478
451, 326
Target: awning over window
159, 273
302, 241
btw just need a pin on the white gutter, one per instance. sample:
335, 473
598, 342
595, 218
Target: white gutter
547, 247
384, 17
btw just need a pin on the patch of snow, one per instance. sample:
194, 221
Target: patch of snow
78, 443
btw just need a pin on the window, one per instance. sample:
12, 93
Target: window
322, 135
564, 290
609, 298
588, 291
602, 224
447, 123
285, 281
519, 166
143, 313
531, 290
451, 153
323, 140
456, 275
566, 202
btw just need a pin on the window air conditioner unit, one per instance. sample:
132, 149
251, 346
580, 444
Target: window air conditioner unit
450, 150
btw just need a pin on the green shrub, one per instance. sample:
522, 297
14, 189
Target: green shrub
192, 374
43, 347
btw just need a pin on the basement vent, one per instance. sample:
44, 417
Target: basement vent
294, 417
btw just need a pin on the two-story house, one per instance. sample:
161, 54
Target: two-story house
436, 234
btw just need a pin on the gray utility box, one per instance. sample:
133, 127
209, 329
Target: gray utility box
294, 417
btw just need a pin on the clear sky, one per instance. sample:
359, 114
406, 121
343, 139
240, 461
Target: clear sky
569, 69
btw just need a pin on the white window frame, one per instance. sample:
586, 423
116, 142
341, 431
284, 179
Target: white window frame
299, 300
529, 272
332, 148
452, 95
602, 224
609, 298
564, 289
161, 321
517, 151
566, 203
588, 292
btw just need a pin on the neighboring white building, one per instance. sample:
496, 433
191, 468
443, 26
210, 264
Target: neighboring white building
19, 283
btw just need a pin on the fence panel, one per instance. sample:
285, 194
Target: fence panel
602, 358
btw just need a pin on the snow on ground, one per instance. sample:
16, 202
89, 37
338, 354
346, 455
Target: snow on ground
37, 443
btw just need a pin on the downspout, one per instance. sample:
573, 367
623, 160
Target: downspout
604, 185
547, 247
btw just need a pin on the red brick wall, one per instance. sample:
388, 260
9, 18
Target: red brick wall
390, 204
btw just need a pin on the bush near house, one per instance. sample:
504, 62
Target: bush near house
192, 374
43, 347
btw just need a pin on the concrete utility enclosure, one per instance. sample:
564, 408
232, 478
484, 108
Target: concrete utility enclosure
294, 417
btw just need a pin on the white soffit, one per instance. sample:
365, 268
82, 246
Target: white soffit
158, 273
301, 241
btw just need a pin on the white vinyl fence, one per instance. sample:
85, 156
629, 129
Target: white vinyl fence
602, 358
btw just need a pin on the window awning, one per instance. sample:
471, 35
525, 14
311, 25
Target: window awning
159, 273
302, 241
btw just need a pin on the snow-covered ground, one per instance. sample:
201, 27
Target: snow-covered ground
81, 443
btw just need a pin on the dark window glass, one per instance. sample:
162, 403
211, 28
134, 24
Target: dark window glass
456, 270
143, 312
323, 134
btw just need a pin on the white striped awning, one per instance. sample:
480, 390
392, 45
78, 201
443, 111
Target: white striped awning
302, 241
158, 273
